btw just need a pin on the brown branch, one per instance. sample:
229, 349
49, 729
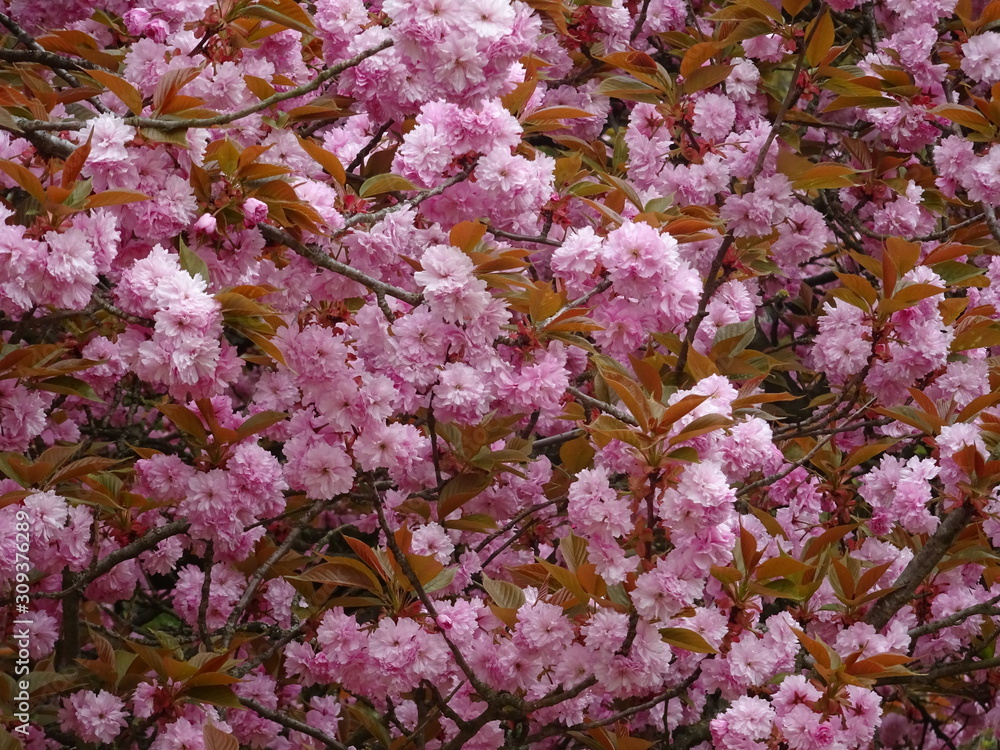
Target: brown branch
715, 279
225, 119
983, 608
578, 302
44, 57
130, 551
607, 408
484, 690
321, 259
920, 566
257, 579
206, 595
410, 203
559, 439
290, 723
376, 139
522, 237
953, 669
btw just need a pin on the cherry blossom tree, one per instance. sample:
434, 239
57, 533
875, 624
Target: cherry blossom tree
446, 374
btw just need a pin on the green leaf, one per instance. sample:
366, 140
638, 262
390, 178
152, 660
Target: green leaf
384, 183
688, 640
440, 581
217, 695
193, 263
504, 593
259, 422
68, 385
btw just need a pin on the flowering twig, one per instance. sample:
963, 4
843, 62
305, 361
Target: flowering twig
578, 302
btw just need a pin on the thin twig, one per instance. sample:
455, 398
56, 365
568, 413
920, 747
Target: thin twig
409, 203
258, 577
225, 119
320, 258
290, 723
983, 608
376, 139
607, 408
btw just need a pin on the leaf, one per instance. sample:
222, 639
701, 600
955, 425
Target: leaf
864, 453
25, 178
121, 88
548, 114
459, 490
818, 651
688, 640
193, 263
168, 86
947, 252
466, 234
285, 13
217, 695
860, 286
567, 580
259, 87
631, 395
965, 116
706, 77
794, 7
780, 567
259, 422
628, 88
701, 426
824, 176
216, 739
115, 198
574, 550
504, 593
327, 160
440, 581
908, 296
185, 420
384, 183
576, 454
74, 163
342, 571
817, 544
822, 37
80, 468
69, 386
696, 56
367, 555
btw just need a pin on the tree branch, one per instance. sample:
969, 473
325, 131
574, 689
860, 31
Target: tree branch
920, 566
290, 723
208, 122
321, 259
